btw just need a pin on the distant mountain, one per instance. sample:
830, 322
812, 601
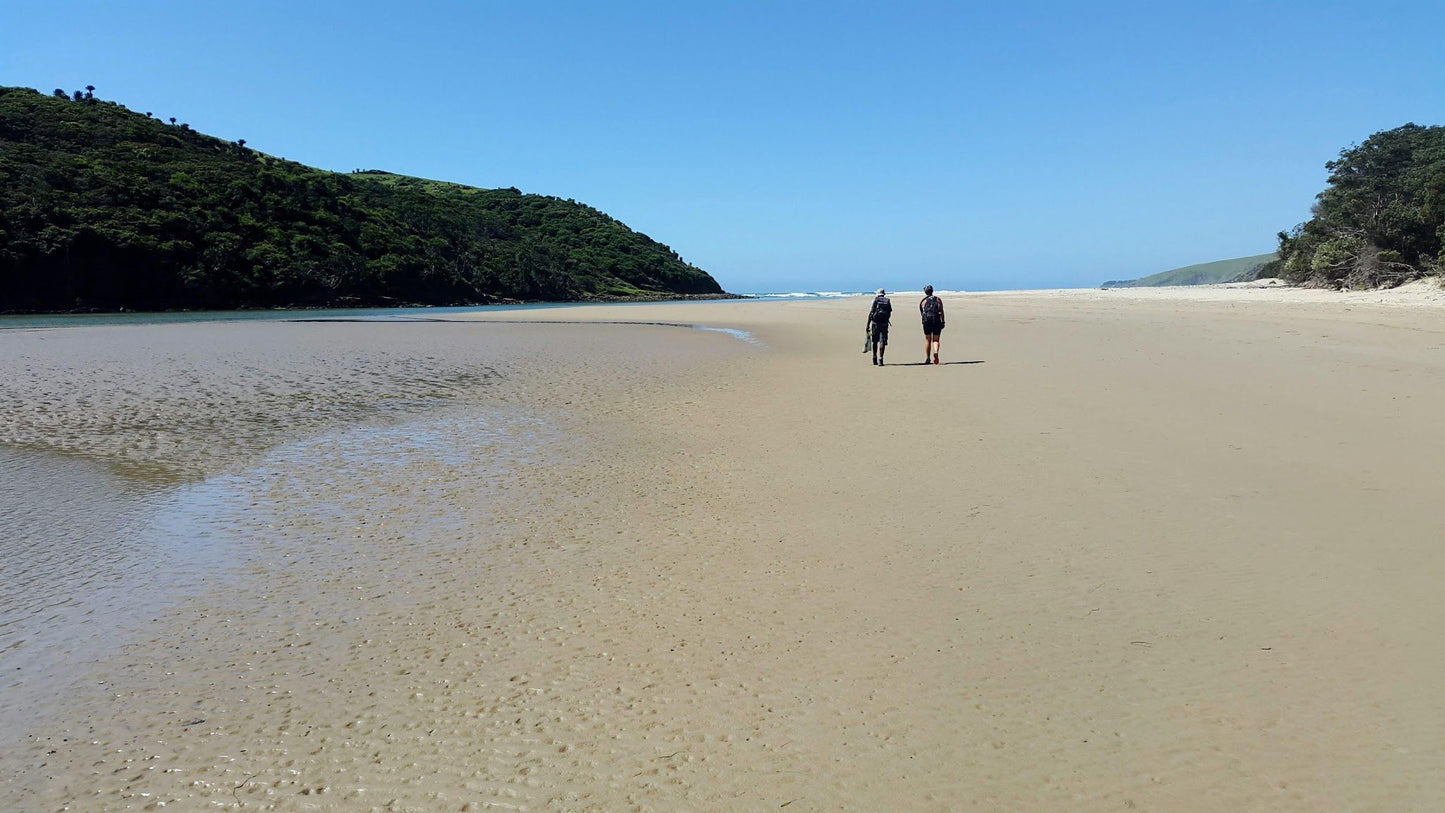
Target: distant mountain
1236, 270
102, 208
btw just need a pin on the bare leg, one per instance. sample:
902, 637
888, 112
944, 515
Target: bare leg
937, 346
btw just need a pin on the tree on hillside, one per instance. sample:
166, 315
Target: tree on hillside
1380, 219
90, 91
173, 120
60, 94
172, 219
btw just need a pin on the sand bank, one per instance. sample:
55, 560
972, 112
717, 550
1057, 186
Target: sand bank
1154, 553
1422, 293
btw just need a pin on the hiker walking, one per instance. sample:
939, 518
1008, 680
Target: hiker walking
878, 317
931, 307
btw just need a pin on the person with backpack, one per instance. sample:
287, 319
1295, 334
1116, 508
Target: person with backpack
878, 318
932, 309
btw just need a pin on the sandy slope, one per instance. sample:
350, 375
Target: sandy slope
1138, 552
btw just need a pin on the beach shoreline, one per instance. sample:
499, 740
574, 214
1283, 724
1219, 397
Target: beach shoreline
1159, 550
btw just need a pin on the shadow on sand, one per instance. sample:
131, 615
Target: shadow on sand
926, 364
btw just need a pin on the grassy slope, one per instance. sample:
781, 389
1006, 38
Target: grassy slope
1201, 274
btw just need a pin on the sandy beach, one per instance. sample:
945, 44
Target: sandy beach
1156, 549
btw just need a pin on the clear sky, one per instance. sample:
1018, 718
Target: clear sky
800, 146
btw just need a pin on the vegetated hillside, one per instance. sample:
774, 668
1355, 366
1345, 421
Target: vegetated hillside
1380, 220
1236, 270
104, 208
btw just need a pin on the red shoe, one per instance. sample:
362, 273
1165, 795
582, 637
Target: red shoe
935, 358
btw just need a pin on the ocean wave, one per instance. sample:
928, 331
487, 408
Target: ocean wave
959, 292
809, 295
845, 294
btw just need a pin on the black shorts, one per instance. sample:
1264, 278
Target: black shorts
932, 327
880, 333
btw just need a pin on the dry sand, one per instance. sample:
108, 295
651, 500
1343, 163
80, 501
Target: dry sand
1122, 550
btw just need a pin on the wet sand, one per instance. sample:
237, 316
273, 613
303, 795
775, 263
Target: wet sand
1121, 551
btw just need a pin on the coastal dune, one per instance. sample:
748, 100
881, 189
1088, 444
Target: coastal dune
1118, 551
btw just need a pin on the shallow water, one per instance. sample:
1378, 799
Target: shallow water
189, 400
152, 475
91, 557
56, 320
742, 335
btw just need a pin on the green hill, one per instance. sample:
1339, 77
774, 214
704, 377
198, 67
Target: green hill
1238, 269
104, 208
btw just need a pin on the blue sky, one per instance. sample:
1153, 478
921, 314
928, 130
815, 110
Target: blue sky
800, 146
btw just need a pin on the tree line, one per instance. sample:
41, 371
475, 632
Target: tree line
1381, 218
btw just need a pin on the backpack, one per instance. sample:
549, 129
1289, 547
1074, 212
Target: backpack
932, 308
882, 311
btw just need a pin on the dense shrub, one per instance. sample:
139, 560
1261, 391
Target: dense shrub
1380, 220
